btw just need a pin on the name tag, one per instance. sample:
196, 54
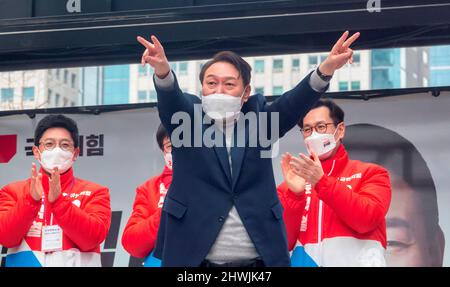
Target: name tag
51, 238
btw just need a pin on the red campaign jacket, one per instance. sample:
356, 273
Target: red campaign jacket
82, 211
139, 236
341, 221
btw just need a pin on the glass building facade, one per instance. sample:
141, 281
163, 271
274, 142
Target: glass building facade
440, 66
116, 84
386, 69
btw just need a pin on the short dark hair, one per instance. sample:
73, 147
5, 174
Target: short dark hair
336, 113
232, 58
161, 134
56, 121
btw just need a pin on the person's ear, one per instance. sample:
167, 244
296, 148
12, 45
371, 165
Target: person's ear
36, 153
76, 153
341, 131
246, 95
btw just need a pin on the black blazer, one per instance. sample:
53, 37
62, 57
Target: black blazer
203, 189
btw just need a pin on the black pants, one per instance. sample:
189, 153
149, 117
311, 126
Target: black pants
256, 262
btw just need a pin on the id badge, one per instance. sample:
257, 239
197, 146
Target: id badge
51, 238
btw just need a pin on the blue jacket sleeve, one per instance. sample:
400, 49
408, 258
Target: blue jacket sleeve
293, 105
171, 101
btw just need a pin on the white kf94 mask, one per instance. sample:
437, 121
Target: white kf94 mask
56, 157
321, 144
222, 107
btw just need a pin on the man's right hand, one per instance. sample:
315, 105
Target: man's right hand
36, 189
294, 182
154, 55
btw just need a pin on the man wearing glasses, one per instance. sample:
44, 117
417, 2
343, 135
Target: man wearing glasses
334, 207
53, 218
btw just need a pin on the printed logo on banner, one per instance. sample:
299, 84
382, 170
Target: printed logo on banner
93, 144
110, 245
8, 147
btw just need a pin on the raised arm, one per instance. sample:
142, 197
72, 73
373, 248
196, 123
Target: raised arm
170, 97
155, 56
295, 104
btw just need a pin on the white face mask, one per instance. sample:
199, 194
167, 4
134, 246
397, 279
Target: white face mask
56, 157
168, 160
222, 107
321, 144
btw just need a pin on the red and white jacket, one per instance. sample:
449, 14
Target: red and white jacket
139, 236
341, 221
82, 211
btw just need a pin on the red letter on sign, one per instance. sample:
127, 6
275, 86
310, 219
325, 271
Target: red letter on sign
8, 147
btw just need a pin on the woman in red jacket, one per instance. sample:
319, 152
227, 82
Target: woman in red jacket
139, 236
54, 218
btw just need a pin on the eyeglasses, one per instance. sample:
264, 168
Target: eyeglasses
321, 128
63, 144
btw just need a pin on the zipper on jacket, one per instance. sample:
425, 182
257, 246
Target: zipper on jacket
319, 235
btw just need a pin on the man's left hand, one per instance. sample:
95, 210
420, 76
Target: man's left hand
340, 55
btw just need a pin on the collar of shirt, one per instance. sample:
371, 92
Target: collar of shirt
337, 162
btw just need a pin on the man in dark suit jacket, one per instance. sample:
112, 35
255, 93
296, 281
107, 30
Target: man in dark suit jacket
222, 207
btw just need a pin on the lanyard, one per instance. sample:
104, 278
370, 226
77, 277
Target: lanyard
48, 214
